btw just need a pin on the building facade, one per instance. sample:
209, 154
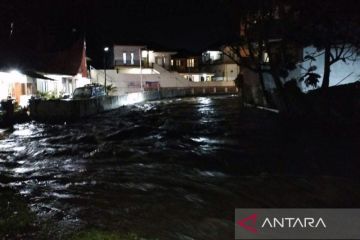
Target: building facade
59, 74
223, 68
136, 56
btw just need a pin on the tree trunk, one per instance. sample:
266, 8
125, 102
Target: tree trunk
282, 98
266, 98
326, 79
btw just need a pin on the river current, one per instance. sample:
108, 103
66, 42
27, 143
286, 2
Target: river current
173, 169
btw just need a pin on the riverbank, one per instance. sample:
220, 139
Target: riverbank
71, 110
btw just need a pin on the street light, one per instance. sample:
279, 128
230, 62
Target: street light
106, 49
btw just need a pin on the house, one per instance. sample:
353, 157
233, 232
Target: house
223, 68
125, 57
139, 67
42, 73
189, 66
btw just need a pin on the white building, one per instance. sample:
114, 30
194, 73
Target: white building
130, 55
223, 68
60, 75
137, 68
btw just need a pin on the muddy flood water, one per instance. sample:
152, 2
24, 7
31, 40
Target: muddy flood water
173, 169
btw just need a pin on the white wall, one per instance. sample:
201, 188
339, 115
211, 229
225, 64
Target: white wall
61, 84
6, 84
8, 81
126, 83
119, 50
223, 72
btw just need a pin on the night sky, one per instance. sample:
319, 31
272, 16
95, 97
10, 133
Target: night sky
176, 24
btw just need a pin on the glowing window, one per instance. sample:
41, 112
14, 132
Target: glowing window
190, 62
124, 57
172, 62
132, 58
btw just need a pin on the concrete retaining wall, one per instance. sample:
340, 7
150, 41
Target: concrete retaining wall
65, 110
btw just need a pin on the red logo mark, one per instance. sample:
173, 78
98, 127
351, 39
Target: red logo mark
252, 219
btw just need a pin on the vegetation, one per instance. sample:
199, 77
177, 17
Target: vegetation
263, 45
273, 34
48, 95
110, 89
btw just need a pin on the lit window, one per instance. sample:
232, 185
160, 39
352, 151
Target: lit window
132, 58
190, 62
124, 57
172, 62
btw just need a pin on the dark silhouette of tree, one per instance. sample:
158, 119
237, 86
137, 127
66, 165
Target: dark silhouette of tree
333, 28
264, 44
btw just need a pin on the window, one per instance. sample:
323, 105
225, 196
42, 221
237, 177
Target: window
44, 86
132, 58
172, 62
124, 57
190, 63
178, 63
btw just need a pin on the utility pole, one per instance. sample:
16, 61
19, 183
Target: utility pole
106, 50
141, 76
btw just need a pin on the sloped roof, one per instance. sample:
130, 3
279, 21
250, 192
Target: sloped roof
26, 59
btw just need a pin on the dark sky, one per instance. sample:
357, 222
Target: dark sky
179, 24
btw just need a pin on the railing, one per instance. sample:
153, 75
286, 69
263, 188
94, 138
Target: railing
144, 64
185, 69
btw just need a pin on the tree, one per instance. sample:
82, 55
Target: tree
332, 27
263, 44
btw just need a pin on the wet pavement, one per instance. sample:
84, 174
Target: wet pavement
173, 169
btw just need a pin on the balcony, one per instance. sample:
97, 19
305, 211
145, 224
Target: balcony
144, 64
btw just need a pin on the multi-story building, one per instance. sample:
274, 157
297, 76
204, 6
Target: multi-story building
189, 66
126, 58
223, 68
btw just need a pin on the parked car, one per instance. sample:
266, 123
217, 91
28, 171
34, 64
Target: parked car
89, 91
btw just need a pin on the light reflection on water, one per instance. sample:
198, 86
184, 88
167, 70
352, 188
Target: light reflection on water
184, 164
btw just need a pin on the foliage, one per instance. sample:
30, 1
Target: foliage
310, 78
111, 89
273, 34
335, 34
47, 95
263, 44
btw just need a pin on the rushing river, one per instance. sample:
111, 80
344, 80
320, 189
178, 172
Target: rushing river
172, 169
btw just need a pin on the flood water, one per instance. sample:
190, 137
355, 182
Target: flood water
173, 169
